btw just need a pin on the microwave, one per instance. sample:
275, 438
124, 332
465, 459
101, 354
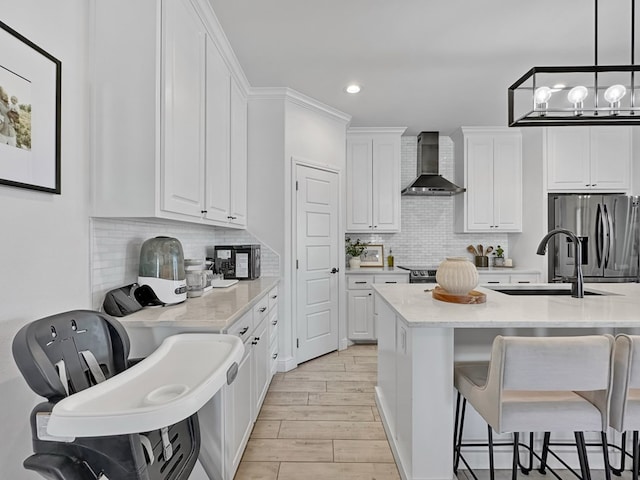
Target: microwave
237, 261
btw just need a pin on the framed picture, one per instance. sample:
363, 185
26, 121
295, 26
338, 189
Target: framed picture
373, 256
30, 92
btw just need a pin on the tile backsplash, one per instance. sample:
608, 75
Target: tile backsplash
115, 248
426, 233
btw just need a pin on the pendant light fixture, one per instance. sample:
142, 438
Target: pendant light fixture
581, 95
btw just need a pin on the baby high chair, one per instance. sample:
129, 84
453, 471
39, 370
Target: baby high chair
89, 426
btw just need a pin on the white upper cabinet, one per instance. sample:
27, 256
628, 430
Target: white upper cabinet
170, 114
488, 162
588, 159
373, 180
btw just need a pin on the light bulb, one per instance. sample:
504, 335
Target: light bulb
542, 95
353, 88
577, 94
614, 93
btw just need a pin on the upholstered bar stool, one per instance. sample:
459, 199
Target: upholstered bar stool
539, 384
625, 397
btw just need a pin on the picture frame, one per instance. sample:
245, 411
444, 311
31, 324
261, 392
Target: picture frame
30, 100
373, 256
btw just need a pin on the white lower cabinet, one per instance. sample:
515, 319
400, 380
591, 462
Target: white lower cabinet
227, 420
361, 320
497, 278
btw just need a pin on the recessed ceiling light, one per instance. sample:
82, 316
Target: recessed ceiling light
353, 88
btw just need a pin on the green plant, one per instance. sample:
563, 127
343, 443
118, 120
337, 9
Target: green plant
499, 252
355, 249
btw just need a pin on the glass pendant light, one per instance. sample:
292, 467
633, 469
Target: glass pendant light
613, 95
576, 96
541, 99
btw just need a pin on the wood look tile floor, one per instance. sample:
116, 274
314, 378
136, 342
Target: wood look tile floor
320, 422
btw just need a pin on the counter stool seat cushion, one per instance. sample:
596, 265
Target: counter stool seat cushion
523, 410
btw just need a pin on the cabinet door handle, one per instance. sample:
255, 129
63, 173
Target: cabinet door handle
493, 282
274, 356
524, 281
275, 322
370, 294
274, 297
262, 309
244, 330
360, 283
203, 211
390, 282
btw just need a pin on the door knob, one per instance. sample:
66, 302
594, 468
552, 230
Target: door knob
335, 270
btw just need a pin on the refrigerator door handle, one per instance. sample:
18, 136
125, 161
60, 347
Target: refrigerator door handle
608, 222
599, 235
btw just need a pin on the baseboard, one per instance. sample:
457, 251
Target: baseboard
286, 364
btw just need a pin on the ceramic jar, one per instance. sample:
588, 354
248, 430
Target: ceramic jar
354, 262
457, 275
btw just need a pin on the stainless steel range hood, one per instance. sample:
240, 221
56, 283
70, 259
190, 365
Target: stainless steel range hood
429, 182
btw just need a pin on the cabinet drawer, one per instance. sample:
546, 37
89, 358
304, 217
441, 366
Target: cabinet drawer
273, 297
273, 323
493, 279
260, 310
396, 278
243, 327
525, 278
359, 282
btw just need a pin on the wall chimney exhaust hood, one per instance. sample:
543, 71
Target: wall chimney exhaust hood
429, 181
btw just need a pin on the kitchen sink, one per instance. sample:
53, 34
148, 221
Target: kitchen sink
540, 291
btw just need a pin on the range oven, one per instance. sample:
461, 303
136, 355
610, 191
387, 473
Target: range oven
421, 274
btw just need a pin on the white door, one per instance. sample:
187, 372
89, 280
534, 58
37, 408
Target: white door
317, 259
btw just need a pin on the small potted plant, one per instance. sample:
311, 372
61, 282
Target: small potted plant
354, 250
498, 261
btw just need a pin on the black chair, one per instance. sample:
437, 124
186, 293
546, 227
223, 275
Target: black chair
72, 351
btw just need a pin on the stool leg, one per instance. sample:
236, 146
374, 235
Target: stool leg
516, 457
582, 456
605, 455
456, 457
455, 434
623, 454
636, 456
545, 453
491, 469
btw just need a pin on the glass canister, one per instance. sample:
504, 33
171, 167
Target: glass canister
196, 278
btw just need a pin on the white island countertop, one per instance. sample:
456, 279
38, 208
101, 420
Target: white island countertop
619, 308
215, 311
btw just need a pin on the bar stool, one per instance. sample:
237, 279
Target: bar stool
625, 397
538, 384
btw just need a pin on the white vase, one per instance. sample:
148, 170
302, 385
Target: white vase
354, 262
457, 275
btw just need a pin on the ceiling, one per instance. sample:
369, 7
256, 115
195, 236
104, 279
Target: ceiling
424, 64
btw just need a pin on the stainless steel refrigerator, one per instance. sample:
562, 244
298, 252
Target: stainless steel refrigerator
607, 226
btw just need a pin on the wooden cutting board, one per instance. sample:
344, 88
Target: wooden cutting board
473, 297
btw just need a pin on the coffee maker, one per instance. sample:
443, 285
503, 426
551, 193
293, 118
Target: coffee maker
162, 269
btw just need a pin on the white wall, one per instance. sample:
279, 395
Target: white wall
45, 237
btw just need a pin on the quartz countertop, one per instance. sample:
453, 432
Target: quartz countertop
376, 271
415, 305
215, 311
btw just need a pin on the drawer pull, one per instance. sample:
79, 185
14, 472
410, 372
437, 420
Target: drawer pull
274, 356
255, 340
244, 330
524, 281
390, 282
273, 297
360, 283
262, 309
275, 322
493, 282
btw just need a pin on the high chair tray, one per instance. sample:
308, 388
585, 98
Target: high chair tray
171, 384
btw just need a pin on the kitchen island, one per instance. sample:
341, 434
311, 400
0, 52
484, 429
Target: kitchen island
415, 392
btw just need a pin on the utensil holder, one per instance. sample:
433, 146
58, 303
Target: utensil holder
482, 261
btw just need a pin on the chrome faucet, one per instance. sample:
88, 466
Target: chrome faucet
577, 282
